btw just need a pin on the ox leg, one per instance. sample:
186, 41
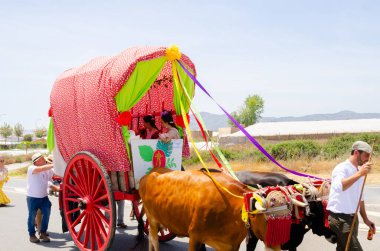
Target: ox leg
195, 245
153, 236
252, 241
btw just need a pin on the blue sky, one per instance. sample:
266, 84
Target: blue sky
302, 57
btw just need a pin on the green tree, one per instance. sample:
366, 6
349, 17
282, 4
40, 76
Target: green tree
250, 112
19, 131
5, 131
28, 137
26, 142
40, 132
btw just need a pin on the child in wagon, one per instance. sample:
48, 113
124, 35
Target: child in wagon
4, 200
170, 126
150, 130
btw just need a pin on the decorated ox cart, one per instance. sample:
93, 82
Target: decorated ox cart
94, 111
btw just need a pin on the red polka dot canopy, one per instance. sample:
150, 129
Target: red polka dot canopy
94, 105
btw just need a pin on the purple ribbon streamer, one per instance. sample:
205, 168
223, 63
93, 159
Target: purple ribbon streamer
252, 139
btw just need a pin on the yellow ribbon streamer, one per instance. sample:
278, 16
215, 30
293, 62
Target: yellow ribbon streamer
183, 113
219, 152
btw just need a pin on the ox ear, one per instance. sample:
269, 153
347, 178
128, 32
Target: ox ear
299, 203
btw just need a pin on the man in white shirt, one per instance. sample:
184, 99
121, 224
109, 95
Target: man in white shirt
39, 174
346, 183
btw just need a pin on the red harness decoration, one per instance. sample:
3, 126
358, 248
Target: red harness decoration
324, 191
278, 221
278, 230
324, 204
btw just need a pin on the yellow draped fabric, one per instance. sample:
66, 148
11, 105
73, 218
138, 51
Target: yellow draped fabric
4, 200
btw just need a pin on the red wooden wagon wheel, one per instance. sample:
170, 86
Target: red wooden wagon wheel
164, 235
88, 203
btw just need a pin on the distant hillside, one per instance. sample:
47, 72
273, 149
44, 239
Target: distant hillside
215, 121
343, 115
212, 121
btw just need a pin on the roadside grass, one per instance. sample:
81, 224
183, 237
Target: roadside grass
317, 167
19, 172
10, 159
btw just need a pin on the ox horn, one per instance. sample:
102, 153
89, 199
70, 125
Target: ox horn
259, 207
299, 203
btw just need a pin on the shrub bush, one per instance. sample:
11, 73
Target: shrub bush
291, 150
338, 146
296, 149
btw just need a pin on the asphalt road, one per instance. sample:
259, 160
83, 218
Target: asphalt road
14, 235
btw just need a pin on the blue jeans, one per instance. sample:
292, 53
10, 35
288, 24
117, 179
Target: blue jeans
34, 204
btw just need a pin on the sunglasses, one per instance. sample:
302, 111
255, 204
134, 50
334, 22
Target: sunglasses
1, 160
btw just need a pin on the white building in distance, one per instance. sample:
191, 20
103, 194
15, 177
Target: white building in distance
303, 129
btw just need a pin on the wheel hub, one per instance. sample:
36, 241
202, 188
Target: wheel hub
86, 204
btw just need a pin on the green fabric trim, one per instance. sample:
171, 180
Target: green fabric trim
180, 131
126, 135
50, 136
179, 96
141, 79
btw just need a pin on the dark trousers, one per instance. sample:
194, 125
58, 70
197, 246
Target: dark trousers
341, 225
34, 204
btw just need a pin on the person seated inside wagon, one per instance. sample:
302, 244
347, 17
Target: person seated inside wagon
171, 128
150, 130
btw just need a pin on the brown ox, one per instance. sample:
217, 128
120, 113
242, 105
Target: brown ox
190, 204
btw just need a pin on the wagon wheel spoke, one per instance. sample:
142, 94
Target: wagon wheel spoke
87, 232
74, 190
82, 227
81, 178
88, 171
95, 177
97, 234
72, 199
100, 184
100, 224
102, 208
76, 222
102, 218
92, 227
86, 174
101, 198
73, 210
77, 182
